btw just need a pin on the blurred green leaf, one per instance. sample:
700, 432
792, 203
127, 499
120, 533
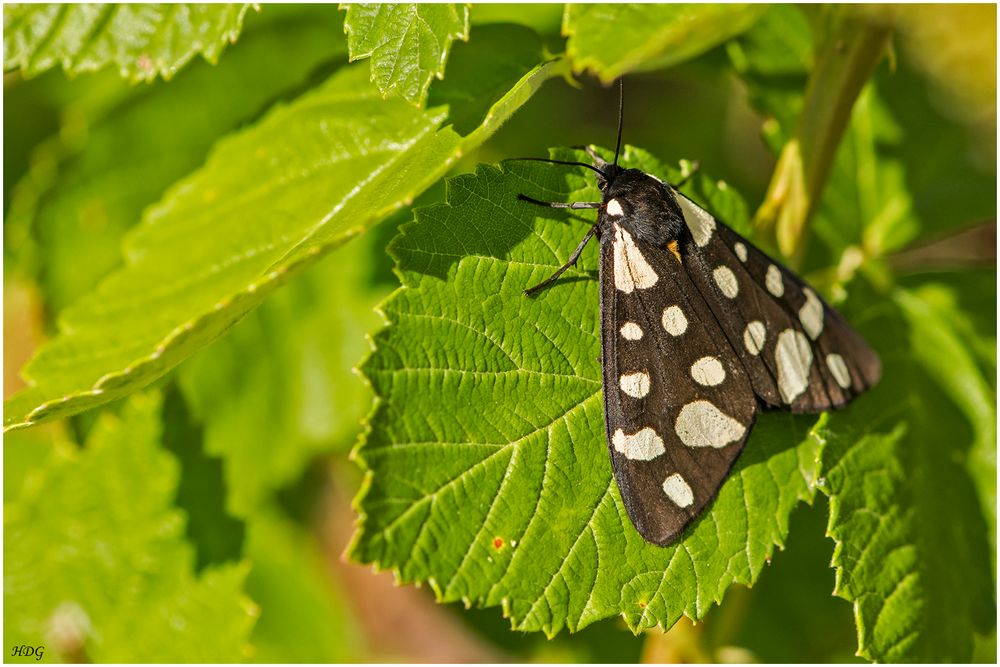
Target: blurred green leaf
95, 564
947, 354
269, 201
216, 535
144, 41
614, 39
773, 58
488, 473
865, 203
913, 551
24, 455
542, 17
106, 166
292, 360
303, 616
408, 43
949, 190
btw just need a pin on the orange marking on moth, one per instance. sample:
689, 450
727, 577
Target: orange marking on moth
672, 247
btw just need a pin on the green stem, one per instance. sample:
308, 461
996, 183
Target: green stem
843, 65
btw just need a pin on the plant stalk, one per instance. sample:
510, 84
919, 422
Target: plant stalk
843, 64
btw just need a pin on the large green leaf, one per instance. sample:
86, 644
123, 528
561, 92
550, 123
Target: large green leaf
143, 41
96, 567
107, 166
614, 39
270, 200
488, 473
408, 43
913, 551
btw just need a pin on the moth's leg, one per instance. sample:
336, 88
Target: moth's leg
572, 260
557, 204
695, 166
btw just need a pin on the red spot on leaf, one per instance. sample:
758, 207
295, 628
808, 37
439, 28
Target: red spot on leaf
497, 542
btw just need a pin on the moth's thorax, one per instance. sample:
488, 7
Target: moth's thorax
643, 205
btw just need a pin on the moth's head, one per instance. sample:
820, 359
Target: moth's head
642, 203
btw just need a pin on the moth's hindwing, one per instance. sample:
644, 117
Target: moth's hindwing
799, 352
678, 403
694, 333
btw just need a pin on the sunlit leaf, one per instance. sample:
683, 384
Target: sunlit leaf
143, 40
107, 166
270, 200
408, 43
612, 39
488, 472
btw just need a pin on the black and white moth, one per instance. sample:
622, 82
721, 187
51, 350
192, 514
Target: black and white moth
699, 330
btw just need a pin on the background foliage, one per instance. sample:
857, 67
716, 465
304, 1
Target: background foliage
198, 204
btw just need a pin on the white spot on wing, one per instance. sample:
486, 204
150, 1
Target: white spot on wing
726, 280
754, 336
838, 368
674, 320
632, 271
678, 490
631, 331
614, 208
641, 446
708, 371
701, 424
793, 356
635, 385
698, 220
741, 251
811, 314
773, 281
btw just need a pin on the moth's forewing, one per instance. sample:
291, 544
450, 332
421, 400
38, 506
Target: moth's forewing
678, 404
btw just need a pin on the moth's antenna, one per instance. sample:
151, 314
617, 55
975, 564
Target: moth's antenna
621, 116
550, 161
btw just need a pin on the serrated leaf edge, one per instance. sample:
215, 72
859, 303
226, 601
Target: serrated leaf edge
393, 88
